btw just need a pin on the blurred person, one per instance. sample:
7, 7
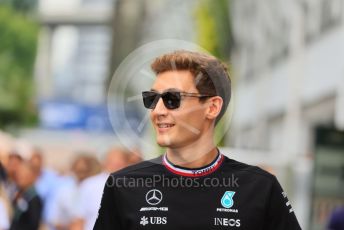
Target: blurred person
27, 205
91, 189
3, 173
189, 96
6, 145
134, 157
45, 176
4, 214
63, 212
4, 209
336, 220
46, 185
13, 164
5, 206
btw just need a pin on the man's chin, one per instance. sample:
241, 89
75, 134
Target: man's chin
164, 142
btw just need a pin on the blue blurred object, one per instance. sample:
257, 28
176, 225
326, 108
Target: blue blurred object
70, 116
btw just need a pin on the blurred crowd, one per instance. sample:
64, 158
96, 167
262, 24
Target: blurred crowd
34, 197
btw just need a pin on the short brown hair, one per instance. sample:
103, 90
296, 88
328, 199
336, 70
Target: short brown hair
211, 75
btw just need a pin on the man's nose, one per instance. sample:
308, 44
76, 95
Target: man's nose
160, 108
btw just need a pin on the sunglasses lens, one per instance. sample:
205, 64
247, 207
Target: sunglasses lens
149, 99
171, 100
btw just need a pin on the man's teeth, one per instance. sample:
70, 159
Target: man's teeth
165, 125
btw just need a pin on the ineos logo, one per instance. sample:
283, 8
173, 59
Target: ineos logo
153, 197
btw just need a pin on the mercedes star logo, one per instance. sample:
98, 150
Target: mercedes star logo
153, 197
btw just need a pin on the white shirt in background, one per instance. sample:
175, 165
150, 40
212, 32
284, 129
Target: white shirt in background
90, 195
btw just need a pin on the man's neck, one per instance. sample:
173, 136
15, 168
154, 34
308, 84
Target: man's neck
197, 155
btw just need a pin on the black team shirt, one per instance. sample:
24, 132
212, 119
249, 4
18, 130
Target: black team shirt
225, 194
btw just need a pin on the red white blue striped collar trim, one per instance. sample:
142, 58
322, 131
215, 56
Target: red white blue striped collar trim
194, 172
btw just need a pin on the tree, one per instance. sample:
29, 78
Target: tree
18, 36
214, 34
213, 27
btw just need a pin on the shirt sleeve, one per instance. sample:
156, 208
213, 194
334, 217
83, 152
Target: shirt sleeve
280, 215
108, 216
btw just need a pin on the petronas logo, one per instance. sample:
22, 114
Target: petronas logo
227, 199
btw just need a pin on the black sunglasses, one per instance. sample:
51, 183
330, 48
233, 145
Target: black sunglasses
171, 99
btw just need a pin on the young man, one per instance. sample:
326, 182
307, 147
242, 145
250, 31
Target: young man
192, 186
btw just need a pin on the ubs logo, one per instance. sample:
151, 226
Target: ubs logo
157, 220
153, 197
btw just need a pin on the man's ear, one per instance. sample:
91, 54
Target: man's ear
214, 107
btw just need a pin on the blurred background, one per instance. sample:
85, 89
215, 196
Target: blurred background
57, 58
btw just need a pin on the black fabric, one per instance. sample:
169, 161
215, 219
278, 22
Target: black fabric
258, 203
27, 211
3, 175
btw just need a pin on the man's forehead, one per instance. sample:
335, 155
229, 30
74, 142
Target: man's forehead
167, 90
181, 80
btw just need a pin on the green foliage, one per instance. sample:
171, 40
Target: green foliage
25, 6
213, 27
214, 34
18, 40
